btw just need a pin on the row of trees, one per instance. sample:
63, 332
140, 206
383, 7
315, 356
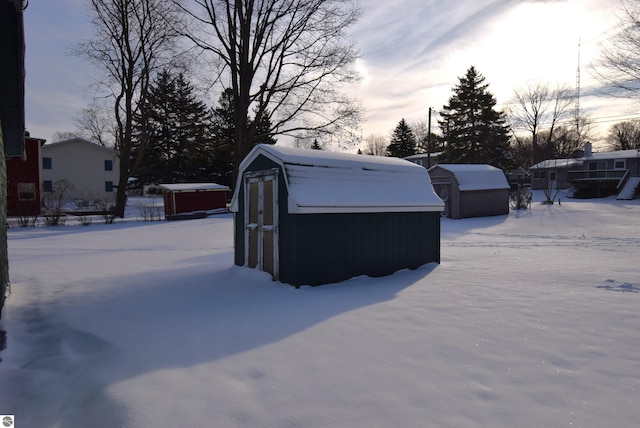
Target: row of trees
279, 64
180, 139
540, 120
540, 123
472, 130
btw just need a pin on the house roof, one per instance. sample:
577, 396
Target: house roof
476, 176
80, 141
571, 162
557, 163
190, 187
320, 181
617, 154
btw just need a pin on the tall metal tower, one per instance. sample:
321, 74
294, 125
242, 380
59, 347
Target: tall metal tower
578, 91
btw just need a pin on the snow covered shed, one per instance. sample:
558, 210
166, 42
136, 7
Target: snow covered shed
181, 198
471, 190
311, 217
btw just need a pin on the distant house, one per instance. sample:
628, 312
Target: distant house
91, 169
182, 198
311, 217
23, 180
426, 160
471, 190
592, 175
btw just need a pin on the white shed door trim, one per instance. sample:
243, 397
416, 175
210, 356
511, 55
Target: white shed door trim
261, 221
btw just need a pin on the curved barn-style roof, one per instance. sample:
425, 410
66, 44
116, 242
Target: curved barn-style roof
476, 176
320, 181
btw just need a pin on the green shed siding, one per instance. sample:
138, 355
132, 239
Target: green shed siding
324, 248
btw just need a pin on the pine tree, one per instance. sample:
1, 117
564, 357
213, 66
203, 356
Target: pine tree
316, 145
474, 130
177, 141
263, 128
224, 131
403, 142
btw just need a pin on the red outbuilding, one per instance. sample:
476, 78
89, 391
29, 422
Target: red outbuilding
23, 180
185, 200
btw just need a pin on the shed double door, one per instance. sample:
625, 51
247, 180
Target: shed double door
261, 246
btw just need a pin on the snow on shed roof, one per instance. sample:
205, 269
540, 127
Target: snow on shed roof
320, 181
185, 187
476, 176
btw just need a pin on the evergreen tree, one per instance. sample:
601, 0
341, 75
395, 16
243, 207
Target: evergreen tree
178, 138
225, 134
474, 130
403, 142
263, 128
224, 131
316, 145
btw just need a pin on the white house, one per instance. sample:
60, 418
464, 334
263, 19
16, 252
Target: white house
91, 169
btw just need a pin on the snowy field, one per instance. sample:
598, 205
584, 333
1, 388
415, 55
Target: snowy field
531, 320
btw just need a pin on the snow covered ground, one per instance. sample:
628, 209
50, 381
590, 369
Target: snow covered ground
531, 320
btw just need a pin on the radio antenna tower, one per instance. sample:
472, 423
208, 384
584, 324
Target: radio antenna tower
578, 90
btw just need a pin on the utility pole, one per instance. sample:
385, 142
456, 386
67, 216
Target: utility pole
429, 140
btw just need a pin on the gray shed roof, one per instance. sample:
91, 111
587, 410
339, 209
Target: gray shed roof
476, 176
320, 181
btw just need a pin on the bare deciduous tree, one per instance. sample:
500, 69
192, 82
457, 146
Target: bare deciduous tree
283, 59
93, 122
618, 66
537, 107
132, 38
421, 131
65, 135
376, 145
624, 135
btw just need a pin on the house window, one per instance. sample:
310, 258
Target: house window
108, 165
47, 186
108, 186
552, 176
620, 164
46, 163
26, 191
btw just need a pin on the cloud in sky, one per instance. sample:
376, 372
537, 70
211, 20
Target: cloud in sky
412, 53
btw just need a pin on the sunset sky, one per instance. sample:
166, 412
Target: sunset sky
412, 53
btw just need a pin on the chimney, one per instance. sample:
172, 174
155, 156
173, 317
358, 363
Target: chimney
587, 149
